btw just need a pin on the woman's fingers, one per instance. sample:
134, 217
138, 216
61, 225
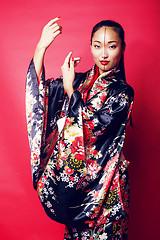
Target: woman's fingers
49, 33
68, 65
71, 62
68, 56
57, 33
76, 61
68, 72
67, 59
50, 23
55, 26
58, 28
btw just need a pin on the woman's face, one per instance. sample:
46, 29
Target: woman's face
106, 48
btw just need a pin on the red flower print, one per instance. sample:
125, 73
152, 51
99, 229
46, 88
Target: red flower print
113, 160
40, 185
93, 139
71, 178
99, 86
91, 125
102, 219
61, 146
68, 171
95, 92
35, 156
62, 153
68, 121
86, 132
77, 147
91, 223
45, 177
62, 114
94, 152
103, 97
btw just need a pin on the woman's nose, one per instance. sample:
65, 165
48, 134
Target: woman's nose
105, 52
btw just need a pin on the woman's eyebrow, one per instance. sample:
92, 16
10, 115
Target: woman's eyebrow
97, 41
112, 41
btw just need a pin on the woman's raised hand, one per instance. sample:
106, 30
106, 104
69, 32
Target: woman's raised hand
49, 33
68, 73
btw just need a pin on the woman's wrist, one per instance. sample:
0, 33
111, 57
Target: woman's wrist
40, 48
38, 59
70, 92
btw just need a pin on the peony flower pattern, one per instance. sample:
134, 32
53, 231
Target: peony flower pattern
78, 149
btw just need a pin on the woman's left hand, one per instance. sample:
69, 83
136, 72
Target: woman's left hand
68, 73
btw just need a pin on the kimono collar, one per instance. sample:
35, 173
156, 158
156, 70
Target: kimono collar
110, 74
92, 76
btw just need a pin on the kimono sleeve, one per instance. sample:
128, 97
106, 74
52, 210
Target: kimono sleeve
39, 95
35, 95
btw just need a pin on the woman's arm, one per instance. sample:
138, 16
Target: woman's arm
49, 33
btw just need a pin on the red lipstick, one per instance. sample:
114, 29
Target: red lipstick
103, 62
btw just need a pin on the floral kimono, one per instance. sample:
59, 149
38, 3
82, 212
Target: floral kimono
77, 164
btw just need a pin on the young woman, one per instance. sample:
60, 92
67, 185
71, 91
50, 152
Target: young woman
76, 127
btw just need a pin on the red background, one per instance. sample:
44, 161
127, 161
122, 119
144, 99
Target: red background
21, 214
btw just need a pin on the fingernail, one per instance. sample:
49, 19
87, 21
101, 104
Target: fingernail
59, 17
72, 58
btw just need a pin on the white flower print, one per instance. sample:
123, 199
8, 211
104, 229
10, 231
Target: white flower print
71, 184
49, 205
72, 132
103, 236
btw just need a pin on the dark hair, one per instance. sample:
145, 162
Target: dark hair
118, 29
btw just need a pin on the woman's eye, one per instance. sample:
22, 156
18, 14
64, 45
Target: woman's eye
112, 46
96, 46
